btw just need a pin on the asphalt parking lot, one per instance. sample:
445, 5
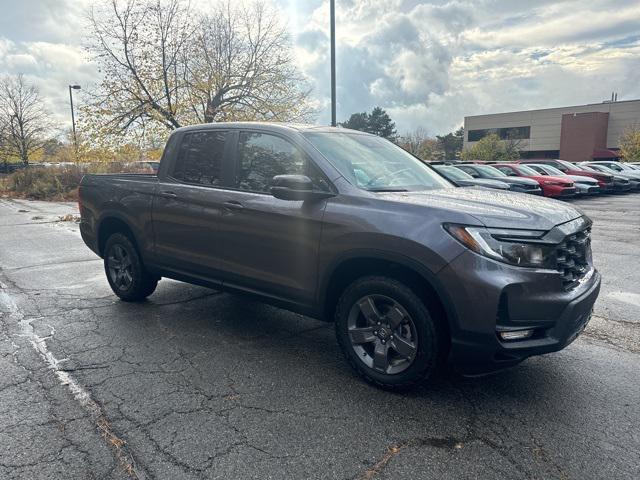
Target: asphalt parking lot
199, 384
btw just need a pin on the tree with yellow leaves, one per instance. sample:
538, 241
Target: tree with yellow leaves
630, 145
166, 65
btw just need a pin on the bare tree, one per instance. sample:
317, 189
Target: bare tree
240, 67
420, 144
23, 118
139, 46
3, 141
412, 141
165, 64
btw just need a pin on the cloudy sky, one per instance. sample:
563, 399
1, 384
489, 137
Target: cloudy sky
427, 63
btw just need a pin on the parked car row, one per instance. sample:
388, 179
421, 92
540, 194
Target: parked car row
547, 177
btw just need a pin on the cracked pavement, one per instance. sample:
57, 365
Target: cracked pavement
197, 384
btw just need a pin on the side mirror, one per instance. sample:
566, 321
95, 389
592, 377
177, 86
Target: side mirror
295, 187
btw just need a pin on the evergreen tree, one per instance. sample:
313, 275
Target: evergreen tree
451, 144
377, 122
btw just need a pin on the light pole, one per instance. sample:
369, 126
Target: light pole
332, 14
73, 118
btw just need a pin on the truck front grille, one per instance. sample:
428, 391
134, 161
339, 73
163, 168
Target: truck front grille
573, 257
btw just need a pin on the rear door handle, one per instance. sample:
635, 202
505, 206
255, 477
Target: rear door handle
168, 194
233, 205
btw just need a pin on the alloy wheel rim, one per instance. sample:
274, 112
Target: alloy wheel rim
120, 267
382, 334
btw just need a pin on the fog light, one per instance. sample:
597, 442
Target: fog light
515, 335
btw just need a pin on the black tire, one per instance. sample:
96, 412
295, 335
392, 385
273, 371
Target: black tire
422, 334
135, 283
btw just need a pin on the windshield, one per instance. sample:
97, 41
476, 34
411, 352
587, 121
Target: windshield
602, 168
553, 170
567, 165
585, 168
489, 171
454, 173
612, 166
375, 164
527, 170
542, 169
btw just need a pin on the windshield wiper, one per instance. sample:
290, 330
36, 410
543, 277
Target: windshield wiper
388, 189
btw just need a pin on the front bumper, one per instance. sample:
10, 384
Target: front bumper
592, 190
621, 187
537, 191
560, 192
488, 296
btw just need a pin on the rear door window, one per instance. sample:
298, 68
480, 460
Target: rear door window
200, 158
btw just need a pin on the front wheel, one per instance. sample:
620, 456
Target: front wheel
387, 333
126, 274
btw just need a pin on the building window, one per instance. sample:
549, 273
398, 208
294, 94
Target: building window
508, 133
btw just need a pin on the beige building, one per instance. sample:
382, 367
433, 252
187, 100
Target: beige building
578, 133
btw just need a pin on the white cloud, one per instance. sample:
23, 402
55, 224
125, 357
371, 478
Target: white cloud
566, 22
429, 63
51, 67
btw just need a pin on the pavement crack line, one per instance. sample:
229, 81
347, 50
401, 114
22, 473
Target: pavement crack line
79, 393
444, 443
52, 264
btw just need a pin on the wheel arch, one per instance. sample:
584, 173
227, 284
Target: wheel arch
110, 224
422, 281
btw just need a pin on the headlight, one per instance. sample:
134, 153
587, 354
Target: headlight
515, 247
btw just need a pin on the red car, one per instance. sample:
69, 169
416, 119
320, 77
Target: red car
551, 186
604, 181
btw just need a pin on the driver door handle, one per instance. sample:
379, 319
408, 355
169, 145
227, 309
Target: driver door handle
168, 194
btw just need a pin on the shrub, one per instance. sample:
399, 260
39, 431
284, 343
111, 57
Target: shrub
55, 183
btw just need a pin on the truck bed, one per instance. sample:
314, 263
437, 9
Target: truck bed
127, 196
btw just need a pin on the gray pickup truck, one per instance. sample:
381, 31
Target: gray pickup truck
347, 227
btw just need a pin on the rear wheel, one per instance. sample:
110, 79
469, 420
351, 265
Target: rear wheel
126, 274
387, 333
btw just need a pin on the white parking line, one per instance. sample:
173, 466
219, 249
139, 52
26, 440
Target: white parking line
80, 394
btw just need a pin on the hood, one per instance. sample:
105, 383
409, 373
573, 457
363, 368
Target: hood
552, 178
630, 175
583, 179
622, 178
485, 182
492, 208
604, 177
518, 181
